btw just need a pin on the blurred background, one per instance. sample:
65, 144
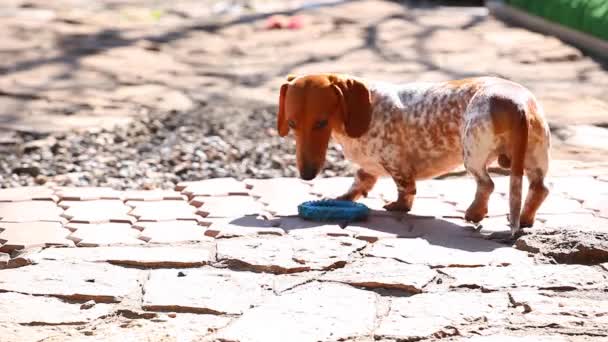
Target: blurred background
144, 94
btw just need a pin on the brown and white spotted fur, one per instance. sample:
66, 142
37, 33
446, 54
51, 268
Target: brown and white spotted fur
421, 130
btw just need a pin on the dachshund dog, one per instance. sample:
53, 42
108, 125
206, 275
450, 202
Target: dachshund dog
421, 130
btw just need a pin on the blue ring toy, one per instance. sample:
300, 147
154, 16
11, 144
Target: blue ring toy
333, 210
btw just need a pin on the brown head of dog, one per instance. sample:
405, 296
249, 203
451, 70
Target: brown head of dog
314, 106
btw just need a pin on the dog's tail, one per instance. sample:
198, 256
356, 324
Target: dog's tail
519, 141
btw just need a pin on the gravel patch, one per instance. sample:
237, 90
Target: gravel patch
237, 140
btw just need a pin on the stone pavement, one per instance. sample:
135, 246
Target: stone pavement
223, 260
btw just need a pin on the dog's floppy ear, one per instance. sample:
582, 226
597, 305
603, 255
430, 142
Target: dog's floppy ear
356, 106
282, 126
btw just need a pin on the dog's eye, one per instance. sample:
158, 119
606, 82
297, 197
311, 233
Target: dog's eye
320, 124
291, 124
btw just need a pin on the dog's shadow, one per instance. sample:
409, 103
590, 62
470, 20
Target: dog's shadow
452, 233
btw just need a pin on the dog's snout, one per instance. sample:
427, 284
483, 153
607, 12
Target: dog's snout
308, 172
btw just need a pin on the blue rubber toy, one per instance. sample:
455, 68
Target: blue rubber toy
333, 210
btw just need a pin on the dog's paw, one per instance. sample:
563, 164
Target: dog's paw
346, 197
475, 215
397, 206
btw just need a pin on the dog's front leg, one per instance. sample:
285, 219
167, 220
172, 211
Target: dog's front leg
406, 189
363, 183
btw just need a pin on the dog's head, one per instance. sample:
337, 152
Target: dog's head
315, 105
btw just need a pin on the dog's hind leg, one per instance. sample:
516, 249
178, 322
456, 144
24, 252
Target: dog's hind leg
364, 182
537, 164
479, 148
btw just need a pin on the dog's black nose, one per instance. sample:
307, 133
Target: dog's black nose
308, 172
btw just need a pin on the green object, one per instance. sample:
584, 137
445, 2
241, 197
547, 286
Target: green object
588, 16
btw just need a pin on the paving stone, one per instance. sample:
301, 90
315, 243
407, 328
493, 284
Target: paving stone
152, 195
4, 258
379, 227
173, 256
382, 273
580, 222
497, 206
288, 281
560, 205
171, 231
275, 188
550, 277
163, 211
572, 312
75, 281
464, 252
227, 206
432, 207
28, 193
97, 211
441, 314
579, 188
598, 203
242, 226
287, 206
27, 309
213, 187
103, 234
32, 234
568, 246
87, 193
29, 211
287, 254
205, 290
515, 338
296, 226
313, 312
331, 187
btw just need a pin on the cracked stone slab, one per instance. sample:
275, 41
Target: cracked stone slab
550, 277
205, 290
288, 281
4, 258
515, 338
28, 193
287, 205
314, 312
29, 211
463, 252
382, 273
274, 189
171, 231
545, 309
213, 187
381, 227
296, 226
170, 327
331, 187
87, 193
241, 226
152, 195
28, 309
168, 210
567, 246
287, 254
441, 314
103, 234
577, 222
23, 235
97, 211
173, 256
75, 281
226, 206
